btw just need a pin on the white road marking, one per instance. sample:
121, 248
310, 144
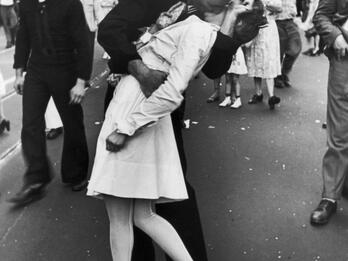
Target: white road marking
4, 237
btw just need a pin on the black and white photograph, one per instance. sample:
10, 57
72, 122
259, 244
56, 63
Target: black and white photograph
173, 130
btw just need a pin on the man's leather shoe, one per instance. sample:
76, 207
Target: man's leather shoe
322, 214
286, 81
80, 185
279, 83
54, 133
29, 194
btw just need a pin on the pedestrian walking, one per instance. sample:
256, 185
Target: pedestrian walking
331, 22
4, 123
54, 125
53, 47
9, 21
290, 41
136, 165
263, 56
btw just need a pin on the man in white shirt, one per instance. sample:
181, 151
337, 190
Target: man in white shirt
9, 20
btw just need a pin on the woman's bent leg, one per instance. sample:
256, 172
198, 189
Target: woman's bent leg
120, 212
159, 230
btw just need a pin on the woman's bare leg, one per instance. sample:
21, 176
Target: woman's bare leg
270, 86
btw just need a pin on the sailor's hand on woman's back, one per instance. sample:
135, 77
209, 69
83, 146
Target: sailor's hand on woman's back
149, 79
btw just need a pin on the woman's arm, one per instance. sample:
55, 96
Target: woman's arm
195, 44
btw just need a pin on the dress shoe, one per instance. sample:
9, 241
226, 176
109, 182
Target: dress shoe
226, 102
28, 194
273, 101
279, 83
237, 103
54, 133
255, 99
81, 185
322, 214
4, 124
286, 81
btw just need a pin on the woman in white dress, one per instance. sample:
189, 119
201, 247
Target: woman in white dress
146, 169
263, 56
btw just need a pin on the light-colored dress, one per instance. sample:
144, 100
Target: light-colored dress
149, 165
238, 65
263, 54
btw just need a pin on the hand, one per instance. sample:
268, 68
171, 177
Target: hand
19, 84
340, 47
240, 8
77, 93
115, 141
237, 7
149, 79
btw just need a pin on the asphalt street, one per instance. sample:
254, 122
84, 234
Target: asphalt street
256, 172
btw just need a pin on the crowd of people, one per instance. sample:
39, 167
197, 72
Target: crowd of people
140, 160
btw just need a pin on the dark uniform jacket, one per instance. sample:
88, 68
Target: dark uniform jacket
53, 32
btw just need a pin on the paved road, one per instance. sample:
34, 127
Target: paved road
256, 173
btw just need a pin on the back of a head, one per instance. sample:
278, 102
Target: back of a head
249, 23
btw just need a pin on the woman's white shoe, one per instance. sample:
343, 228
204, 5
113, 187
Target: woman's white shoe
237, 103
226, 102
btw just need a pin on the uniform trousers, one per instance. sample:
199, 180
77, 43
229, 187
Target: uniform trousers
335, 160
183, 215
42, 82
290, 44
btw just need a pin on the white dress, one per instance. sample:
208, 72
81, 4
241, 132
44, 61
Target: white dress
263, 55
238, 65
149, 165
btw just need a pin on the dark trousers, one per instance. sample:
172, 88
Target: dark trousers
183, 215
42, 82
290, 44
335, 161
9, 20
